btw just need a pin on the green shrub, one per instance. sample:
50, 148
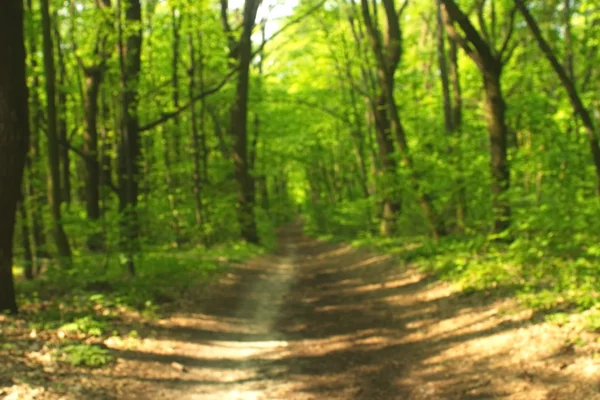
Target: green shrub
84, 355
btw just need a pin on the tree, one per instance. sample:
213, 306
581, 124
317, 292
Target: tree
54, 182
388, 52
14, 136
567, 79
130, 49
94, 76
241, 53
482, 48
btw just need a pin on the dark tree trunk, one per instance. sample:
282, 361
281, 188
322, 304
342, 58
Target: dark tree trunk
54, 187
129, 147
93, 80
14, 135
391, 207
106, 148
239, 129
495, 113
443, 66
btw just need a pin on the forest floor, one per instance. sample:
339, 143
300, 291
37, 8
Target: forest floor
317, 320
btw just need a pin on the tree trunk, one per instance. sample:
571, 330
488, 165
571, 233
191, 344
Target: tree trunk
461, 206
239, 129
34, 184
14, 135
490, 61
93, 80
171, 164
63, 140
27, 253
387, 54
495, 113
197, 184
391, 207
54, 187
129, 147
443, 67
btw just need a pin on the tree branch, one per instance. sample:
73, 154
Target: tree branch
479, 6
462, 42
511, 29
168, 116
480, 45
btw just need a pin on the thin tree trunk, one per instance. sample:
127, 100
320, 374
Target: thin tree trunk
94, 77
54, 188
14, 135
63, 140
443, 67
27, 253
33, 170
197, 185
461, 206
171, 173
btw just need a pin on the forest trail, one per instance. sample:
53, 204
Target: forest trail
326, 321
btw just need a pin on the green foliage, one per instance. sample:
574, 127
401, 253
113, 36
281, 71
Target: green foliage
84, 355
559, 318
86, 325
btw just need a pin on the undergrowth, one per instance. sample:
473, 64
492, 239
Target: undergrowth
548, 274
73, 310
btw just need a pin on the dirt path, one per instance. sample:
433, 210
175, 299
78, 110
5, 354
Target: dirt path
322, 321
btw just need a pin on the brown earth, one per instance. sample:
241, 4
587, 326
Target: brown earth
326, 321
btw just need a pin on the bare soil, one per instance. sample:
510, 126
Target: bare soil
326, 321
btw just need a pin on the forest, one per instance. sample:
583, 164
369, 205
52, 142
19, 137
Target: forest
149, 144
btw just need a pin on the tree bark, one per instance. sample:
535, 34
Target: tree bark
93, 80
129, 147
495, 113
239, 128
14, 136
54, 186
